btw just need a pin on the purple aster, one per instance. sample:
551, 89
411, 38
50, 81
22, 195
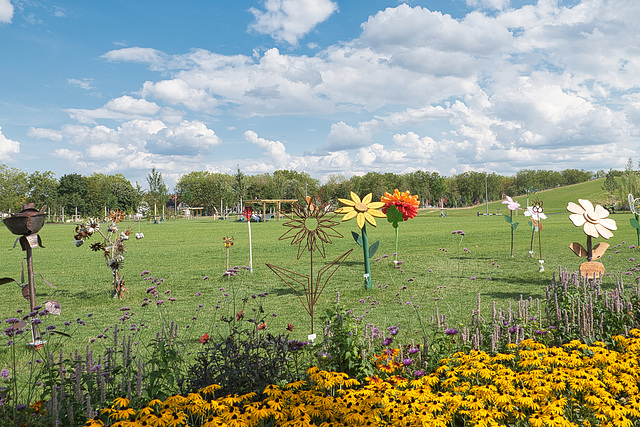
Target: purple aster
451, 331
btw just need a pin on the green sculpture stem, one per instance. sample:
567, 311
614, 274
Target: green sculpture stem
367, 265
396, 252
638, 230
511, 224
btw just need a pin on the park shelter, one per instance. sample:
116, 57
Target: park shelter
277, 202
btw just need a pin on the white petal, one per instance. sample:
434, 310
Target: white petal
573, 208
601, 212
609, 223
590, 229
604, 232
586, 205
542, 215
577, 220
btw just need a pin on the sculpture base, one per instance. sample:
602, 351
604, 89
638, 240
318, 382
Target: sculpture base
591, 270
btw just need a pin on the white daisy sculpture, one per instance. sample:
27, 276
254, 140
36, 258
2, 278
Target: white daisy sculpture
594, 223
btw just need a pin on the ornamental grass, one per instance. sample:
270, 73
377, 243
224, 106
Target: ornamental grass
529, 384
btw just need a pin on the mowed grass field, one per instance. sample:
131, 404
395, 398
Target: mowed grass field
437, 271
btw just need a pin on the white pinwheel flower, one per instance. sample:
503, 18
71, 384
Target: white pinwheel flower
634, 204
594, 220
535, 212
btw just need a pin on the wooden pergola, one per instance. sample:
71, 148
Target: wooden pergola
193, 212
264, 202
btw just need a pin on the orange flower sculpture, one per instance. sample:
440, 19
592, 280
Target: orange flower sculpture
405, 203
399, 207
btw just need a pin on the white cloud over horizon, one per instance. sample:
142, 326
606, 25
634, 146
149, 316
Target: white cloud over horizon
499, 89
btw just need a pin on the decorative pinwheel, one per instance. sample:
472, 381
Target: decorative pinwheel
634, 205
536, 212
513, 206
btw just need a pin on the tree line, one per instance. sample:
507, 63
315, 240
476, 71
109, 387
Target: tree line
94, 194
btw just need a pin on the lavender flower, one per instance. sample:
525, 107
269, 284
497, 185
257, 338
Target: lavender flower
451, 331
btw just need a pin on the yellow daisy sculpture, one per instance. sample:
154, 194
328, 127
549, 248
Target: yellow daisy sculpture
363, 211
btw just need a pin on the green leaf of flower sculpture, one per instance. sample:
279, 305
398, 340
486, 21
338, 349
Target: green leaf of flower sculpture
394, 216
373, 248
634, 223
357, 237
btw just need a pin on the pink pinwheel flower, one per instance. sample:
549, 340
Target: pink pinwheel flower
512, 204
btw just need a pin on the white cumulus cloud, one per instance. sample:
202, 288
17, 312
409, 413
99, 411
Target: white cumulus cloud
290, 20
6, 11
8, 147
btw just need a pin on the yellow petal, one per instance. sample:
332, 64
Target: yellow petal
375, 205
370, 219
355, 198
367, 199
377, 213
360, 220
344, 209
350, 215
347, 202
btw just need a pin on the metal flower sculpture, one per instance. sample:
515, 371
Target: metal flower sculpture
228, 242
536, 212
363, 211
634, 206
26, 224
112, 246
513, 206
595, 224
399, 207
310, 228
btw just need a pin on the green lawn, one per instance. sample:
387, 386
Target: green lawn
183, 252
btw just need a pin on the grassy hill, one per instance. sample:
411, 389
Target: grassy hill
554, 200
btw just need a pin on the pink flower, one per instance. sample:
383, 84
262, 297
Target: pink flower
511, 204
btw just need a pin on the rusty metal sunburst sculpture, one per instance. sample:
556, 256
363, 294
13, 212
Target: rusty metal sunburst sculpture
310, 229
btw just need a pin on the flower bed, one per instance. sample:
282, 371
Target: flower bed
530, 384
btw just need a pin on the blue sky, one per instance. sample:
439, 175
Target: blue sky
323, 86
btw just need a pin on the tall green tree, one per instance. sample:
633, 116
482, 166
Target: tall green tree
43, 189
14, 186
158, 192
205, 189
73, 193
610, 185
